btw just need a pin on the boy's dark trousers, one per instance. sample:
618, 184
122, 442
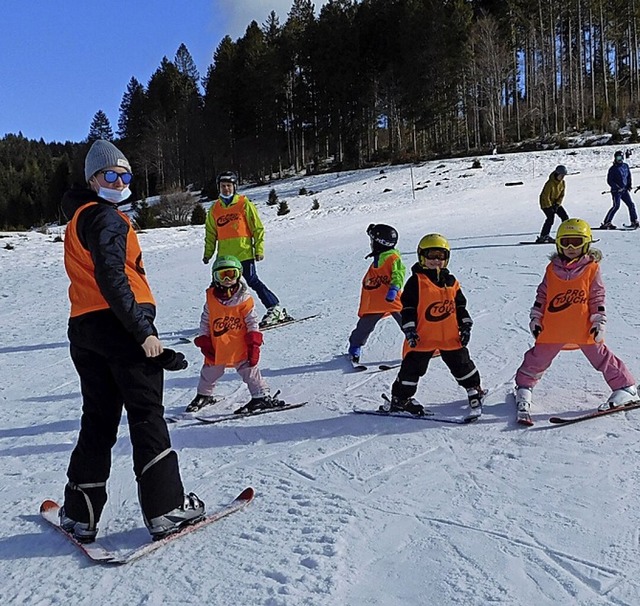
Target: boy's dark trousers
114, 372
415, 363
365, 326
550, 214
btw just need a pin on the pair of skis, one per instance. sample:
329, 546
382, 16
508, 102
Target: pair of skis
286, 322
209, 420
101, 555
429, 415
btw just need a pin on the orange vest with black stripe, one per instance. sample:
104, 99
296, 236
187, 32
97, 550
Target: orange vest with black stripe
437, 324
566, 315
84, 293
228, 330
375, 286
231, 221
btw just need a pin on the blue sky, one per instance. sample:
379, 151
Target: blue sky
60, 62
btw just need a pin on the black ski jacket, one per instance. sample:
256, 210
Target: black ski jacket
411, 292
103, 232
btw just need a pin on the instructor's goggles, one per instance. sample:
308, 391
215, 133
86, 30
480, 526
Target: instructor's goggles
226, 276
572, 242
111, 176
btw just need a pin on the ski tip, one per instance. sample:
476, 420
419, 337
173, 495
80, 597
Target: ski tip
246, 495
48, 505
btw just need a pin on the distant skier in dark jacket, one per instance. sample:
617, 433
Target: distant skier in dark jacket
118, 356
551, 198
619, 180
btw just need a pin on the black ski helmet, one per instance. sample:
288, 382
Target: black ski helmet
227, 177
618, 156
383, 237
561, 169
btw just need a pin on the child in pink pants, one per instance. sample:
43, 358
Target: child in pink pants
569, 313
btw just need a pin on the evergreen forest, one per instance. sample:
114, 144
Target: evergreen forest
351, 85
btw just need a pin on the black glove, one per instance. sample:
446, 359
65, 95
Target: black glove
171, 360
411, 336
465, 334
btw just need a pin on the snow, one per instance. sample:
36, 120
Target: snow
350, 509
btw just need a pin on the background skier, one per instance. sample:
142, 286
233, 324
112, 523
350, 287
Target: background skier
619, 180
551, 198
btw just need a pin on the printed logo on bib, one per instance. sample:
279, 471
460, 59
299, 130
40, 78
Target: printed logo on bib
375, 282
564, 300
224, 325
439, 311
227, 218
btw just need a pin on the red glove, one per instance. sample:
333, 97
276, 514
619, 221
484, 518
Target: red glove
205, 345
254, 341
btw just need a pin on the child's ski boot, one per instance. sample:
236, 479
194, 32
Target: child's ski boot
523, 405
200, 402
397, 404
476, 396
260, 403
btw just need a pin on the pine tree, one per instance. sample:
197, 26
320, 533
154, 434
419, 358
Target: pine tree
272, 200
283, 208
199, 215
100, 128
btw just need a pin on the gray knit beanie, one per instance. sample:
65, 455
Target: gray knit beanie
103, 154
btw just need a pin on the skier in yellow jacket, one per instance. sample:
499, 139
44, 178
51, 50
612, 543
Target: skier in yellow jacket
551, 198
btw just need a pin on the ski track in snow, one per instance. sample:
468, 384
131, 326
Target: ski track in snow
349, 509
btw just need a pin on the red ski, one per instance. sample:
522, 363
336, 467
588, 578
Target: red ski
593, 415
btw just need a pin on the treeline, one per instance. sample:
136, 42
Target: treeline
358, 83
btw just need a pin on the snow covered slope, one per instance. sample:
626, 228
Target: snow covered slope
350, 509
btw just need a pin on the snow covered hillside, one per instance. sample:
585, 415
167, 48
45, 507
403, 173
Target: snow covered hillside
350, 509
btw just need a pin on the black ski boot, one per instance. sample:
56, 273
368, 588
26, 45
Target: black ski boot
409, 405
260, 403
200, 402
476, 396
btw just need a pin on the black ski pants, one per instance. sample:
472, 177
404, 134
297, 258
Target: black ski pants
115, 373
415, 363
550, 214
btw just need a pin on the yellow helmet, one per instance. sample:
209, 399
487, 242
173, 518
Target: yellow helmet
574, 228
431, 242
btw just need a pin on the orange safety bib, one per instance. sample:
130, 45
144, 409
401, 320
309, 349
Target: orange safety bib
437, 321
84, 293
231, 221
375, 286
566, 315
228, 330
